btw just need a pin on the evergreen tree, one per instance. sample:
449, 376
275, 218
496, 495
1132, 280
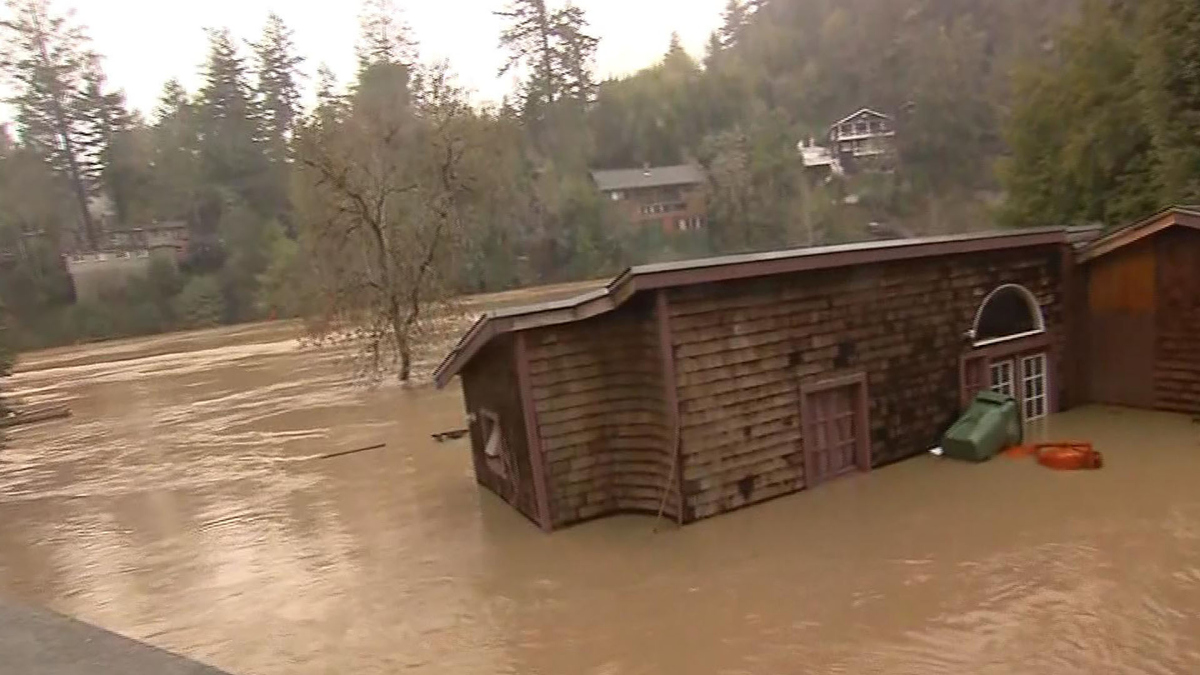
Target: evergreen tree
528, 38
734, 21
574, 55
229, 134
175, 149
330, 101
384, 37
114, 162
277, 70
1169, 72
1089, 136
45, 56
386, 58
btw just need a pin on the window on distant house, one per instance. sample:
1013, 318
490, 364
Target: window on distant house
615, 195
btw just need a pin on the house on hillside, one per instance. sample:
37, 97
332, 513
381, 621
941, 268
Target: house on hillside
126, 255
864, 140
671, 197
698, 387
169, 238
818, 160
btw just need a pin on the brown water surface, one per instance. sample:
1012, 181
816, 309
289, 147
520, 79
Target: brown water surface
184, 504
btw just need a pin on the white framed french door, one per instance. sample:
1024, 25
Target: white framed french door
1033, 387
1003, 377
1025, 378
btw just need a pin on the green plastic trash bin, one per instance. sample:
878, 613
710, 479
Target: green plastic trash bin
990, 425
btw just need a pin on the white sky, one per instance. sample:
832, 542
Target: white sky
147, 42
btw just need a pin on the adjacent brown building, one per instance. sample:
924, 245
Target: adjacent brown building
1141, 332
698, 387
670, 197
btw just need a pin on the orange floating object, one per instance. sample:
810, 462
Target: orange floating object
1069, 456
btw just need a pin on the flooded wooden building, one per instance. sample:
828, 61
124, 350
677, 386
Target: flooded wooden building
698, 387
1141, 327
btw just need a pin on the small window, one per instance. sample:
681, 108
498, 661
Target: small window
1002, 378
615, 196
494, 450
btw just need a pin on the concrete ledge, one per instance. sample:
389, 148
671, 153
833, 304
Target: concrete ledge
38, 642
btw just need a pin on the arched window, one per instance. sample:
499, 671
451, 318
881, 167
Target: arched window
1007, 313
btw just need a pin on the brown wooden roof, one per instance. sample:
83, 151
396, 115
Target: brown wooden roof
724, 268
1184, 216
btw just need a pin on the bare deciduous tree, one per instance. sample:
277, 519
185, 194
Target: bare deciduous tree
382, 196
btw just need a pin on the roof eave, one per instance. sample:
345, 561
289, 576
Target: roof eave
1168, 217
728, 268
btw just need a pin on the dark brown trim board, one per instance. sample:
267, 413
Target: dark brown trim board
670, 396
537, 460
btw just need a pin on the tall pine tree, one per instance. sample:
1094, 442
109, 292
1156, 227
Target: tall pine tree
45, 56
228, 118
276, 66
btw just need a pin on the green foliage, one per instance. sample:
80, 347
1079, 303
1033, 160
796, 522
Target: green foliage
200, 304
1100, 123
246, 237
1107, 129
47, 60
555, 47
1169, 73
282, 283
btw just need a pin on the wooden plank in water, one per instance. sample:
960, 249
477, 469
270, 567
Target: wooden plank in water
31, 415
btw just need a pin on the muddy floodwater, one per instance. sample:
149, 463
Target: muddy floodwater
185, 504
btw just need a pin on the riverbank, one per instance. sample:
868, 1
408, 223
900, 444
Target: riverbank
111, 351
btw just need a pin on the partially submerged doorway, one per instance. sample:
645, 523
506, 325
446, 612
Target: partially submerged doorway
1009, 353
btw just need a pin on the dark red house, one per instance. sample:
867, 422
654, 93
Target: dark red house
669, 197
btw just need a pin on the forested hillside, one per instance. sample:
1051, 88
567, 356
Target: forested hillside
395, 193
1106, 128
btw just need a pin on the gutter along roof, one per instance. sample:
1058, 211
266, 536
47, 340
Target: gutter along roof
724, 268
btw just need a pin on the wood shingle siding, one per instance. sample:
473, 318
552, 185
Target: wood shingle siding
690, 387
743, 348
597, 387
1177, 357
490, 384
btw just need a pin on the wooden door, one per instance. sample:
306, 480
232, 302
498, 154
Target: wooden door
835, 434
